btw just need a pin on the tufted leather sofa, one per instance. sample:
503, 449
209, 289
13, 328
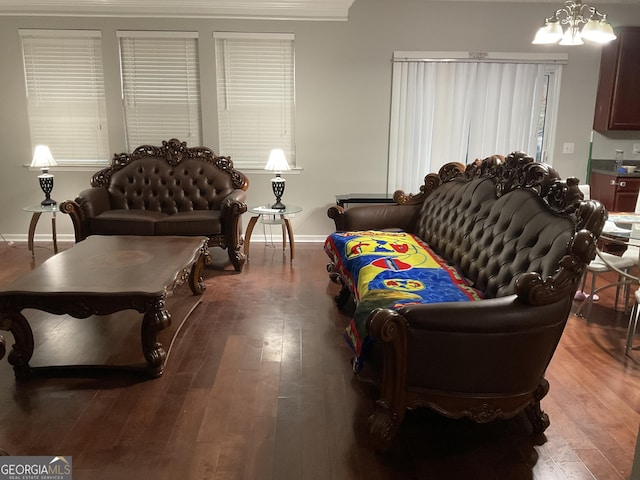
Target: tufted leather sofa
520, 235
167, 190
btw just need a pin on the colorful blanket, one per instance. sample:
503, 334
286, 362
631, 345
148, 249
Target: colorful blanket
389, 270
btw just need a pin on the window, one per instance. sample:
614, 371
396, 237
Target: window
160, 87
256, 96
65, 94
546, 130
458, 109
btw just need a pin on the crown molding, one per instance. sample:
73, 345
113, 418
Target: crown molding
333, 10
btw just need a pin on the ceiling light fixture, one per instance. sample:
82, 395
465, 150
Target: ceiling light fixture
581, 21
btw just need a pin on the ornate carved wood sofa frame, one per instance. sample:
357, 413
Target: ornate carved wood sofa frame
523, 237
165, 190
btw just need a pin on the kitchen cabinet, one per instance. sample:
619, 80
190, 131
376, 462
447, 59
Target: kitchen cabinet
617, 100
617, 193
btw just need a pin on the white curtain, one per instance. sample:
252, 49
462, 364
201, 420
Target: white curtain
505, 109
443, 112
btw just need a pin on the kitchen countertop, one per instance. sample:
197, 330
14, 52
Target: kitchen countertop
613, 173
608, 167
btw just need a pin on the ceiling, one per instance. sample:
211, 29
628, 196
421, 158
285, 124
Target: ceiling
247, 9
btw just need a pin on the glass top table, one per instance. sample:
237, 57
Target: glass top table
617, 234
267, 210
273, 216
37, 211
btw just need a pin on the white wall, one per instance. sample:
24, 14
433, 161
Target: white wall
343, 76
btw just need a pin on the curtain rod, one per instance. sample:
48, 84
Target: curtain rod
488, 57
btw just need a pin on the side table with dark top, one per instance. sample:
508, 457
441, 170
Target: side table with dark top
349, 198
102, 275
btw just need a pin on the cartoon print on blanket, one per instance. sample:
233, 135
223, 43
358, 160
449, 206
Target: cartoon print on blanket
389, 270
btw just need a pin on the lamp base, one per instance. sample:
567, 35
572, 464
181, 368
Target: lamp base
277, 183
46, 184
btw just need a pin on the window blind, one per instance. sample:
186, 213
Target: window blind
65, 94
255, 78
160, 87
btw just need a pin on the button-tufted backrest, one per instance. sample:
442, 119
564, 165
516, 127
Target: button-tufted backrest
169, 178
491, 238
150, 183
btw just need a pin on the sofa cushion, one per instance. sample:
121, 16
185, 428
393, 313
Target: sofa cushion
125, 222
196, 222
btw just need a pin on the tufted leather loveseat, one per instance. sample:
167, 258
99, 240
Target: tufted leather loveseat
167, 190
521, 236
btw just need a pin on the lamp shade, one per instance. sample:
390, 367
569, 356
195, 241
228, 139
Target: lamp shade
42, 157
550, 33
598, 31
277, 161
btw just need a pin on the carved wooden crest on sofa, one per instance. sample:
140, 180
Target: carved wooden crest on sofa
170, 189
516, 232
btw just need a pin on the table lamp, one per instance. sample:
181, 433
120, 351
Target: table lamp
43, 159
277, 163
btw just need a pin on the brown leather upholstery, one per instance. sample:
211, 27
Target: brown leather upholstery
166, 190
523, 237
488, 238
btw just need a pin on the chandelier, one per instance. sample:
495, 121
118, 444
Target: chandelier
581, 21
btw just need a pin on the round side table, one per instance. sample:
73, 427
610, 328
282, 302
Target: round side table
273, 216
37, 211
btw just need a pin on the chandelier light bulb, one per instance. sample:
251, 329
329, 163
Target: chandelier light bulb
571, 37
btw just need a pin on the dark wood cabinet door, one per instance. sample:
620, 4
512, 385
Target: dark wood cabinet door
626, 201
617, 101
617, 194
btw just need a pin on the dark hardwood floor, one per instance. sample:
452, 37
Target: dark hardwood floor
258, 386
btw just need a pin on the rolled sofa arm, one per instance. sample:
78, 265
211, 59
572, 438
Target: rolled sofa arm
88, 204
484, 359
374, 217
234, 202
435, 346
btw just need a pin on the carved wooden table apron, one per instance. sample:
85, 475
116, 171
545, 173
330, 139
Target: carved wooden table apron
100, 276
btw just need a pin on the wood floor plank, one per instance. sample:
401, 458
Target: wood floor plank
204, 461
216, 416
287, 456
259, 461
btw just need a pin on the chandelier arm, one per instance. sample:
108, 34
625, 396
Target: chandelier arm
595, 12
574, 13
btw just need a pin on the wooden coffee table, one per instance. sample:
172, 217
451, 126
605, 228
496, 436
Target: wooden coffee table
100, 276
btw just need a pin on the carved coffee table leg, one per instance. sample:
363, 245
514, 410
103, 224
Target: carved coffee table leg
155, 319
22, 350
196, 282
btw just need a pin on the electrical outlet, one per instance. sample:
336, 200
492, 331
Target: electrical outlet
568, 147
636, 148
